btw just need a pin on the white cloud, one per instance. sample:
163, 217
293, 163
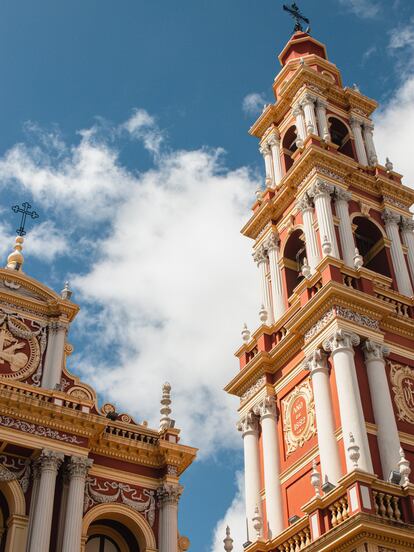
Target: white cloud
142, 126
362, 8
235, 518
46, 242
253, 103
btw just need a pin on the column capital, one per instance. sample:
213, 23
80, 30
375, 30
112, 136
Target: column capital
308, 99
341, 341
342, 195
390, 217
355, 121
273, 241
297, 110
266, 408
369, 126
274, 138
169, 493
321, 103
248, 424
260, 255
304, 203
79, 466
50, 460
264, 149
374, 351
316, 362
321, 188
407, 224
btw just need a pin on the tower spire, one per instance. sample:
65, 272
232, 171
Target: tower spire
299, 18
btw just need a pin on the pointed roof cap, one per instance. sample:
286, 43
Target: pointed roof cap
302, 44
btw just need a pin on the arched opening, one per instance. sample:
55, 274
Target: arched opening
289, 147
108, 535
370, 242
341, 137
293, 260
4, 516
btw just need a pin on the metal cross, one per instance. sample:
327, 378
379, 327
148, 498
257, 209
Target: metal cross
294, 11
25, 211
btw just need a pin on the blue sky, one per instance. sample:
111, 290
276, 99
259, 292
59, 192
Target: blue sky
123, 123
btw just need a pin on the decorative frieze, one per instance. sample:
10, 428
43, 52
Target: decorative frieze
12, 468
253, 389
298, 417
341, 312
41, 431
402, 380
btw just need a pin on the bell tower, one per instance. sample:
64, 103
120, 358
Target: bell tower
326, 380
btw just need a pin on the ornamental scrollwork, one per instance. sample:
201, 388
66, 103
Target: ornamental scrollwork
298, 417
252, 390
402, 380
42, 431
15, 469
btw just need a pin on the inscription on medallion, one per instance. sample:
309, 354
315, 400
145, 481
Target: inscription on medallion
298, 417
402, 380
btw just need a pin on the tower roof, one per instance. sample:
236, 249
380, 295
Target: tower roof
302, 44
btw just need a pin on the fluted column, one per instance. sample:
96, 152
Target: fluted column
266, 410
342, 197
272, 245
369, 143
168, 497
312, 251
50, 462
328, 446
387, 432
407, 234
274, 143
250, 432
392, 220
297, 112
308, 104
321, 192
323, 123
267, 156
356, 126
260, 258
52, 370
77, 468
33, 499
341, 345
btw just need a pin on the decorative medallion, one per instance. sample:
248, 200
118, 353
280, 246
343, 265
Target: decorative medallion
298, 417
402, 379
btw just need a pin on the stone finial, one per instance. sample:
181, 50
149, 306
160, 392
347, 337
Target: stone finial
358, 259
316, 479
257, 523
263, 314
306, 269
326, 246
353, 451
404, 468
246, 335
165, 421
15, 260
228, 541
389, 165
66, 292
356, 87
259, 195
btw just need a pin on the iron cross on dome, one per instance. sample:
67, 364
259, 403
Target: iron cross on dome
294, 11
25, 211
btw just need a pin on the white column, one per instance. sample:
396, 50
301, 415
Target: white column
267, 156
272, 245
308, 104
168, 496
260, 257
341, 345
342, 197
392, 220
33, 499
407, 233
62, 510
274, 143
266, 410
369, 143
52, 370
323, 123
50, 462
311, 244
321, 192
387, 432
249, 428
356, 126
297, 112
328, 446
78, 468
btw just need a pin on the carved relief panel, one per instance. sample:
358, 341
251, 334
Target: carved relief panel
402, 380
298, 417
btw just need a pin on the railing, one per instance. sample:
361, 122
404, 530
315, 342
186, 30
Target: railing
339, 511
117, 431
296, 542
387, 506
401, 308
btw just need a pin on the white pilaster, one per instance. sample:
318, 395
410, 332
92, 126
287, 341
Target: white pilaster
342, 197
407, 233
311, 244
387, 432
328, 446
267, 156
341, 345
168, 496
356, 126
323, 123
272, 245
297, 112
260, 258
321, 192
49, 462
52, 370
392, 220
369, 143
250, 432
308, 104
78, 468
266, 410
274, 143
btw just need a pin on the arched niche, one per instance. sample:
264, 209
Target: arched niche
294, 253
369, 239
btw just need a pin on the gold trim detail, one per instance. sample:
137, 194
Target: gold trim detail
402, 379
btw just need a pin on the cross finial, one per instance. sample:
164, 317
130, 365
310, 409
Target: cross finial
25, 211
299, 18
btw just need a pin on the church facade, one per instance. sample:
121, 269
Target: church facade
75, 476
326, 381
